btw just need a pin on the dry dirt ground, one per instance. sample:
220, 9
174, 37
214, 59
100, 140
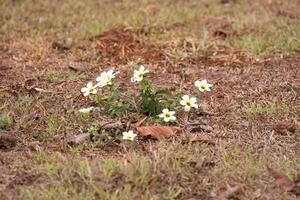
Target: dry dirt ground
248, 50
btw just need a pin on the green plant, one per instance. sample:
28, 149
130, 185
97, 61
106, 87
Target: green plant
53, 126
150, 97
115, 104
5, 121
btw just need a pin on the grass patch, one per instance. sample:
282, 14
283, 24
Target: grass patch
256, 109
5, 121
24, 104
169, 171
54, 126
161, 175
58, 77
280, 35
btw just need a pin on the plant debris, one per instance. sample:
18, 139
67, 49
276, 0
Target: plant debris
158, 132
74, 140
281, 180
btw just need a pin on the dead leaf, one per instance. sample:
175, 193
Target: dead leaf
31, 116
78, 139
158, 132
229, 193
281, 180
111, 125
296, 189
193, 127
7, 141
63, 45
34, 146
284, 127
199, 137
77, 67
140, 122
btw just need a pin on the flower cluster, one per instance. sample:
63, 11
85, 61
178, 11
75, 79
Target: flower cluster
104, 79
187, 102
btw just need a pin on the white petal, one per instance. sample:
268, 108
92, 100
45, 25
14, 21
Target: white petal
89, 85
94, 91
172, 112
166, 119
197, 83
193, 100
187, 108
166, 110
195, 105
173, 118
182, 102
86, 110
83, 89
140, 78
142, 68
85, 94
161, 115
185, 97
201, 89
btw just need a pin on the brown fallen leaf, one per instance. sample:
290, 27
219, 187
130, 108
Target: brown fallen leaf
158, 132
77, 67
296, 189
74, 140
230, 192
7, 141
281, 180
199, 137
111, 125
35, 146
284, 127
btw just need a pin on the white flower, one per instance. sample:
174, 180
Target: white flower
129, 135
203, 85
89, 89
167, 115
105, 78
139, 74
188, 102
86, 110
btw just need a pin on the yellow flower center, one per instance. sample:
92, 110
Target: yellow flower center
167, 115
188, 103
203, 87
90, 90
